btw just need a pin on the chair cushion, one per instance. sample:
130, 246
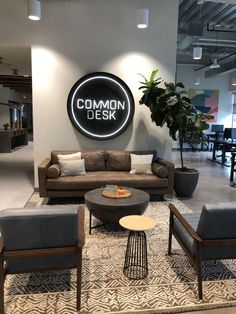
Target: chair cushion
218, 221
35, 228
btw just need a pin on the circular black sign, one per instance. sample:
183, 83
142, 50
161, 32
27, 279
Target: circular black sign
100, 105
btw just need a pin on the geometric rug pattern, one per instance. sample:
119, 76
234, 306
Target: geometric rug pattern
170, 287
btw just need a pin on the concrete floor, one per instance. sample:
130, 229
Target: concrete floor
16, 184
16, 177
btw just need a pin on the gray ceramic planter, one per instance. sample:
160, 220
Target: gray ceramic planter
185, 182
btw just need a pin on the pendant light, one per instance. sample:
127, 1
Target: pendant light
233, 81
34, 10
142, 17
197, 80
215, 64
197, 53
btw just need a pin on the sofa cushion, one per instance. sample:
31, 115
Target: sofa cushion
117, 160
159, 170
72, 167
94, 160
53, 171
98, 179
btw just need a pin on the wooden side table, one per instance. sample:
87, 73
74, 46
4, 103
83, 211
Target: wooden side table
136, 263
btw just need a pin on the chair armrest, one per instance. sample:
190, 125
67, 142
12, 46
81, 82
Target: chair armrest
1, 244
81, 235
42, 176
171, 173
174, 211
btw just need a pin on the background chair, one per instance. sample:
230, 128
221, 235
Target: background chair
34, 239
208, 235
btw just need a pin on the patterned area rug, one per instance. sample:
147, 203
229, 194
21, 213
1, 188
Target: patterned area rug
169, 288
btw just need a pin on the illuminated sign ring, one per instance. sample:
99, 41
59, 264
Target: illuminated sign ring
100, 106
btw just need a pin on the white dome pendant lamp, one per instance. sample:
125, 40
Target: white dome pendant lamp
34, 10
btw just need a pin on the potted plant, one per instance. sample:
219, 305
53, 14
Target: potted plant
6, 126
171, 106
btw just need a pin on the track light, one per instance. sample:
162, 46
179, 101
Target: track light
215, 64
34, 10
197, 53
142, 18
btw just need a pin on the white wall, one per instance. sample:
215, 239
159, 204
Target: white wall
186, 74
77, 37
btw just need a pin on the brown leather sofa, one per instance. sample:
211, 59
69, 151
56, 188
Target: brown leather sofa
104, 167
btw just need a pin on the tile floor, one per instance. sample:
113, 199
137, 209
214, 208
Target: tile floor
17, 184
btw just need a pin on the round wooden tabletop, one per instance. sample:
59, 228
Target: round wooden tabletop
137, 222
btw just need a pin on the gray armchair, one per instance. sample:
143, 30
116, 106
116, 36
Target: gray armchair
207, 235
34, 239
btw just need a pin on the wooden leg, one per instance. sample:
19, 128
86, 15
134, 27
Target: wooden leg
2, 277
199, 273
79, 275
90, 222
170, 233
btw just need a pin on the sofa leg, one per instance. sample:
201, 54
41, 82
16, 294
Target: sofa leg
162, 198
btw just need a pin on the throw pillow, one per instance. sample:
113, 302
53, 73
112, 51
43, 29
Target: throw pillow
141, 163
159, 170
73, 167
69, 156
53, 171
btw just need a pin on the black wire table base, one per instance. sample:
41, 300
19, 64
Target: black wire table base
136, 264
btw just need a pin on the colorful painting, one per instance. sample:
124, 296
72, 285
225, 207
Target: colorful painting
205, 101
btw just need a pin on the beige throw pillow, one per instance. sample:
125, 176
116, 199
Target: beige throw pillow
69, 156
141, 163
72, 167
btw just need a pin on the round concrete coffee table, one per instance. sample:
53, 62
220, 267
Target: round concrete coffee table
111, 210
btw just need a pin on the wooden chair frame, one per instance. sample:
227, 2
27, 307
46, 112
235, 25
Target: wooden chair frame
199, 244
56, 251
